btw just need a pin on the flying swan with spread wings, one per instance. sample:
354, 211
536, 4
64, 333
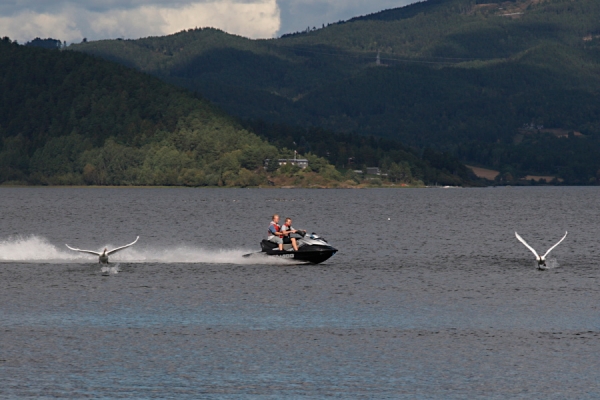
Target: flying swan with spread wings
103, 257
541, 260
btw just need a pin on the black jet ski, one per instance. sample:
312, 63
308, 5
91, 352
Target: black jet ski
311, 249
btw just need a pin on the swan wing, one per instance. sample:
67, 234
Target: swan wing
526, 245
84, 251
122, 247
551, 248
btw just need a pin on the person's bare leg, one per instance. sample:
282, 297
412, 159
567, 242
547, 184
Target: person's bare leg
294, 245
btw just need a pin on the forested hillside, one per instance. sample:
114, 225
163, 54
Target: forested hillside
511, 85
71, 118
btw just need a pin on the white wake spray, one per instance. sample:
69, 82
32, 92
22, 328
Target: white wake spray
38, 249
33, 249
551, 263
110, 270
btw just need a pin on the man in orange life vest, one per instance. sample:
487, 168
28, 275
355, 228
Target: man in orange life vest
275, 234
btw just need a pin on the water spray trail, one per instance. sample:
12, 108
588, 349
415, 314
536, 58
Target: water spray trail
110, 270
32, 249
38, 249
190, 254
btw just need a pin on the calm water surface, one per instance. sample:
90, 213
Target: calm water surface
430, 295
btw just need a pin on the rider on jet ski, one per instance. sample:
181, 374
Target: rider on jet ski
311, 248
291, 234
275, 234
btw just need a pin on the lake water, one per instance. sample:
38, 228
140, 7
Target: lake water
430, 295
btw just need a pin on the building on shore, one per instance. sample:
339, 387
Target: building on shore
299, 162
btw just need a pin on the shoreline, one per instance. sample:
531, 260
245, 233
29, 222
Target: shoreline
217, 187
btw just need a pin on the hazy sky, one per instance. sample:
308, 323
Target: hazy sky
72, 20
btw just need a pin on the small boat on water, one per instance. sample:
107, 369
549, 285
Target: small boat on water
311, 249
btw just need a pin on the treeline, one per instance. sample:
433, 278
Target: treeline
573, 159
358, 152
200, 151
49, 43
67, 118
462, 28
457, 77
474, 114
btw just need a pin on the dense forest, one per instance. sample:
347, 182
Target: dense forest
511, 85
357, 152
67, 118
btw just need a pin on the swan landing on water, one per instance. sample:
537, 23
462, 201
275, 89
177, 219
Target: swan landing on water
541, 260
103, 257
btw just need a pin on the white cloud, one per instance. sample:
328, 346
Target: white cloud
71, 20
74, 21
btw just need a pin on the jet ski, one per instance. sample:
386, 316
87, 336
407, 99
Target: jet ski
311, 249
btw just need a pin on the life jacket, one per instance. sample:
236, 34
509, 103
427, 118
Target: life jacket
277, 228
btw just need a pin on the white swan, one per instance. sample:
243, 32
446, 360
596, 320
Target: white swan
540, 259
103, 257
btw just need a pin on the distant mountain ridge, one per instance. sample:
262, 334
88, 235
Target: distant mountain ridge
68, 118
458, 75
